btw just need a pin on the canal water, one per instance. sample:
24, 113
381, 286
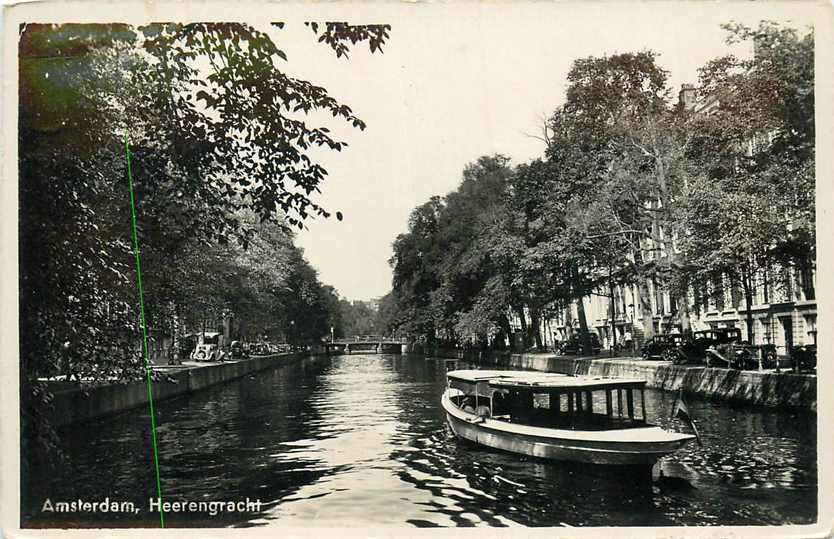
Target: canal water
361, 440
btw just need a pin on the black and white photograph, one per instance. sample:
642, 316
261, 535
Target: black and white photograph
376, 267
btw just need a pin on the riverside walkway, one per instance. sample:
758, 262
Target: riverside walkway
79, 401
765, 388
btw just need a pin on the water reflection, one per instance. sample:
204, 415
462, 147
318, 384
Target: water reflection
361, 440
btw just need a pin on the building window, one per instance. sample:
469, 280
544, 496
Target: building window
735, 293
719, 293
811, 329
787, 284
764, 331
807, 280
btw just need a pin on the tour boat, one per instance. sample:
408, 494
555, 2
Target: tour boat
555, 416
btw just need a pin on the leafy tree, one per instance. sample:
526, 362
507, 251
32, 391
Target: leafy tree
756, 207
441, 267
387, 320
631, 191
414, 262
524, 243
359, 318
217, 129
466, 265
608, 102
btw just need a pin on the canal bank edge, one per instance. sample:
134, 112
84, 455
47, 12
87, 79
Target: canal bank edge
782, 390
75, 405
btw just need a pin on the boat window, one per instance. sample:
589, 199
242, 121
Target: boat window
580, 409
467, 388
500, 402
481, 389
471, 397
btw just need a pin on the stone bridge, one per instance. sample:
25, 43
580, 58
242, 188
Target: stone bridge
366, 344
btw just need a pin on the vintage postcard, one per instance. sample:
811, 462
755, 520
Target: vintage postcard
398, 268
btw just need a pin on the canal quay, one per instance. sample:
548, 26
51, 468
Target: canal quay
361, 440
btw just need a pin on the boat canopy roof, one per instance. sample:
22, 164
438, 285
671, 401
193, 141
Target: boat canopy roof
543, 380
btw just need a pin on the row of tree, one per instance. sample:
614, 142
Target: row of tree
634, 188
222, 161
358, 318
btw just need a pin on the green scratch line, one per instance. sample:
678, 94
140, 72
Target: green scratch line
144, 334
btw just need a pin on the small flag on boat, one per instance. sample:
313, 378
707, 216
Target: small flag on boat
679, 410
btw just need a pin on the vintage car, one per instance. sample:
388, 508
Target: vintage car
767, 354
731, 356
574, 345
260, 349
185, 346
208, 348
236, 350
661, 346
733, 351
804, 358
695, 349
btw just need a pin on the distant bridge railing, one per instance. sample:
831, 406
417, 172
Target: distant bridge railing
369, 339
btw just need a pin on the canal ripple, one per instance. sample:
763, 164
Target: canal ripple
361, 440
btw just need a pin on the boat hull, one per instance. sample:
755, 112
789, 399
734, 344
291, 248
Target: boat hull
491, 433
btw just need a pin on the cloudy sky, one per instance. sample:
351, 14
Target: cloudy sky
459, 81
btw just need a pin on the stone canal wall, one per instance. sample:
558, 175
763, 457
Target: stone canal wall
74, 405
783, 389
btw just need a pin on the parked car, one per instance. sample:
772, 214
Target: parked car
661, 346
259, 349
574, 345
186, 345
768, 355
726, 335
208, 348
694, 350
804, 358
236, 350
731, 356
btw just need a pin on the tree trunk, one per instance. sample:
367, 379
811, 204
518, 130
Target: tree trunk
584, 335
431, 338
613, 312
175, 337
645, 303
535, 327
583, 326
523, 320
643, 299
766, 284
683, 316
746, 281
568, 320
507, 331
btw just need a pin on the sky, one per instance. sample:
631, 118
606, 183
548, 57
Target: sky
459, 81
